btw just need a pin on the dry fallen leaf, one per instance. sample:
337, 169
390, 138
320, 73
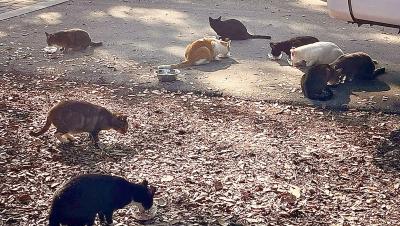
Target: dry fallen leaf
167, 178
296, 191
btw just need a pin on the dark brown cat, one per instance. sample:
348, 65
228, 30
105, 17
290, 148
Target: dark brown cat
315, 81
73, 116
75, 39
357, 65
285, 46
232, 29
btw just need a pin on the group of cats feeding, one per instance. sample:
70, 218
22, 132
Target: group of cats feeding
84, 197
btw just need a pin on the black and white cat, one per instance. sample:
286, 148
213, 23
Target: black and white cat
278, 47
79, 201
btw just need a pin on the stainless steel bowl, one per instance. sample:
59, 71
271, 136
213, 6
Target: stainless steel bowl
167, 75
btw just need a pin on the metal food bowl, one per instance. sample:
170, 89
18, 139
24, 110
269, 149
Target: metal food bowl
167, 75
50, 49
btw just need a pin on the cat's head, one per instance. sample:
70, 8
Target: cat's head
214, 21
226, 48
332, 76
145, 196
296, 59
50, 39
335, 75
275, 49
120, 123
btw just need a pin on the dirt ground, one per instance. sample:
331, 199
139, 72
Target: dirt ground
139, 35
215, 160
240, 158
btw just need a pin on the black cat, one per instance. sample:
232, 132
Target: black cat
357, 66
232, 29
78, 201
315, 82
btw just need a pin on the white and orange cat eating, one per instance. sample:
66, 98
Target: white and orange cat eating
202, 51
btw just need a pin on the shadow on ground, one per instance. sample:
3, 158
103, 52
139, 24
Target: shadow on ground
387, 155
83, 153
343, 92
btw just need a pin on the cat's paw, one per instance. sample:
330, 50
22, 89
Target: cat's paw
69, 137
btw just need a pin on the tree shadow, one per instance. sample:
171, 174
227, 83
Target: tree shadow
387, 155
344, 91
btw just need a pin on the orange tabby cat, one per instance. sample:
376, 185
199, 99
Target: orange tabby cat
203, 51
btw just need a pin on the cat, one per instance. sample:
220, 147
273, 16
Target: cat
315, 53
357, 65
202, 51
75, 39
232, 29
285, 46
314, 83
84, 196
74, 116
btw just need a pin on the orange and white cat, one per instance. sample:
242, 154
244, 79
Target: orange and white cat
202, 51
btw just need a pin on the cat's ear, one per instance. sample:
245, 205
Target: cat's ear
219, 18
145, 183
271, 44
47, 34
152, 190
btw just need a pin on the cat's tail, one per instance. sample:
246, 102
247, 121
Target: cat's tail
379, 71
43, 130
96, 44
260, 37
183, 64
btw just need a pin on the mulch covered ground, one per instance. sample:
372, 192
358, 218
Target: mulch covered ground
214, 160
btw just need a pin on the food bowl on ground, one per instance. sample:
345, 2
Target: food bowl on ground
211, 36
167, 75
50, 49
161, 202
145, 215
272, 57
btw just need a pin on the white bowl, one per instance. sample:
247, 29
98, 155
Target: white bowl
147, 214
50, 49
211, 36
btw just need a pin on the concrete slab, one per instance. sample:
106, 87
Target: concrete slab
14, 8
139, 35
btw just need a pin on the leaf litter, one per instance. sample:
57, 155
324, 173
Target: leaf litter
215, 160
